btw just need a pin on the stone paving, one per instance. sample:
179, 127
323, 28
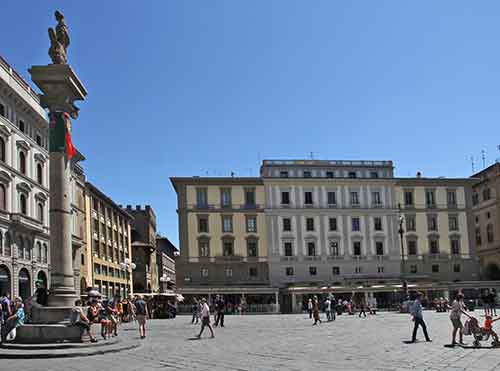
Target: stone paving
284, 342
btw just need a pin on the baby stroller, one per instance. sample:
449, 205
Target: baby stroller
473, 328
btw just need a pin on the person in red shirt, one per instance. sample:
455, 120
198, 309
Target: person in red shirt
488, 327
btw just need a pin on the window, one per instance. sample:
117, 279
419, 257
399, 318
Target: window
456, 268
23, 204
307, 174
334, 248
335, 271
228, 272
429, 198
455, 246
225, 197
39, 174
373, 174
227, 224
2, 110
354, 198
39, 140
478, 236
489, 233
355, 225
412, 247
308, 197
95, 204
329, 174
313, 271
409, 198
380, 269
283, 174
203, 224
2, 150
201, 197
488, 215
432, 222
97, 269
22, 162
332, 223
453, 222
434, 247
252, 272
251, 224
310, 224
451, 198
204, 272
285, 198
486, 194
288, 249
40, 212
332, 199
475, 199
352, 174
3, 205
311, 249
377, 222
410, 223
22, 126
379, 248
435, 268
252, 248
413, 269
376, 198
289, 271
287, 225
250, 197
357, 248
227, 248
204, 248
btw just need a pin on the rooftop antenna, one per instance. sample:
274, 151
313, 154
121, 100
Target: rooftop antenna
472, 162
311, 154
498, 147
483, 156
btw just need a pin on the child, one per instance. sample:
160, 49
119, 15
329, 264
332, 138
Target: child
488, 328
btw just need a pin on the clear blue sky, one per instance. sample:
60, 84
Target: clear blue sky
182, 88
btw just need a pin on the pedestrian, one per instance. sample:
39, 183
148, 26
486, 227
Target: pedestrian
5, 308
486, 302
141, 313
41, 294
373, 306
316, 311
457, 308
13, 322
78, 318
194, 311
418, 318
362, 308
205, 318
328, 309
220, 308
333, 306
310, 308
493, 302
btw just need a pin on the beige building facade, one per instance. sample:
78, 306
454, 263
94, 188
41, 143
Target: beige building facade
486, 211
108, 245
223, 240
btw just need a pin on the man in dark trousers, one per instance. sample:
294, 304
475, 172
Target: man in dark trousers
418, 318
220, 308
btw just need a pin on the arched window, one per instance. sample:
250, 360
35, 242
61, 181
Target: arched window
40, 212
23, 204
7, 249
22, 162
45, 253
39, 252
39, 174
2, 150
3, 199
27, 249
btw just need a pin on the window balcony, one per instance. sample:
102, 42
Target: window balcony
312, 258
288, 258
335, 257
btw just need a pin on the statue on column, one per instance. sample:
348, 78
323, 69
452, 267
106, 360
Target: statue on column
59, 40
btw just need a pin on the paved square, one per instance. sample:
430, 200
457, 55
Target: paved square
285, 342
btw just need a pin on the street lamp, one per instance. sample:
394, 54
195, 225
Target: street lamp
401, 232
128, 265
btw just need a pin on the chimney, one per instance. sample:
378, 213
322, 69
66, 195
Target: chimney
129, 207
419, 174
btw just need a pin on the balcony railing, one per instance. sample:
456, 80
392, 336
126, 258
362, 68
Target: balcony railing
289, 258
225, 207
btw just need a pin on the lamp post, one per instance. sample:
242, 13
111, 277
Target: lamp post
128, 266
401, 232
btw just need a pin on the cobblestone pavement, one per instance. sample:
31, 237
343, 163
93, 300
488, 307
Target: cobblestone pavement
284, 342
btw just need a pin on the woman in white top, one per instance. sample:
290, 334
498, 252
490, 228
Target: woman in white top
205, 318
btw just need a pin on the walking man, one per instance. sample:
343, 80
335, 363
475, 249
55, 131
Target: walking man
362, 308
220, 308
310, 308
141, 313
316, 311
328, 309
205, 318
418, 318
194, 310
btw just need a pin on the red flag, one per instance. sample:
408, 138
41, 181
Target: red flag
70, 148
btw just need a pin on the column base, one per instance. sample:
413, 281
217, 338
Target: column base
50, 315
62, 297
